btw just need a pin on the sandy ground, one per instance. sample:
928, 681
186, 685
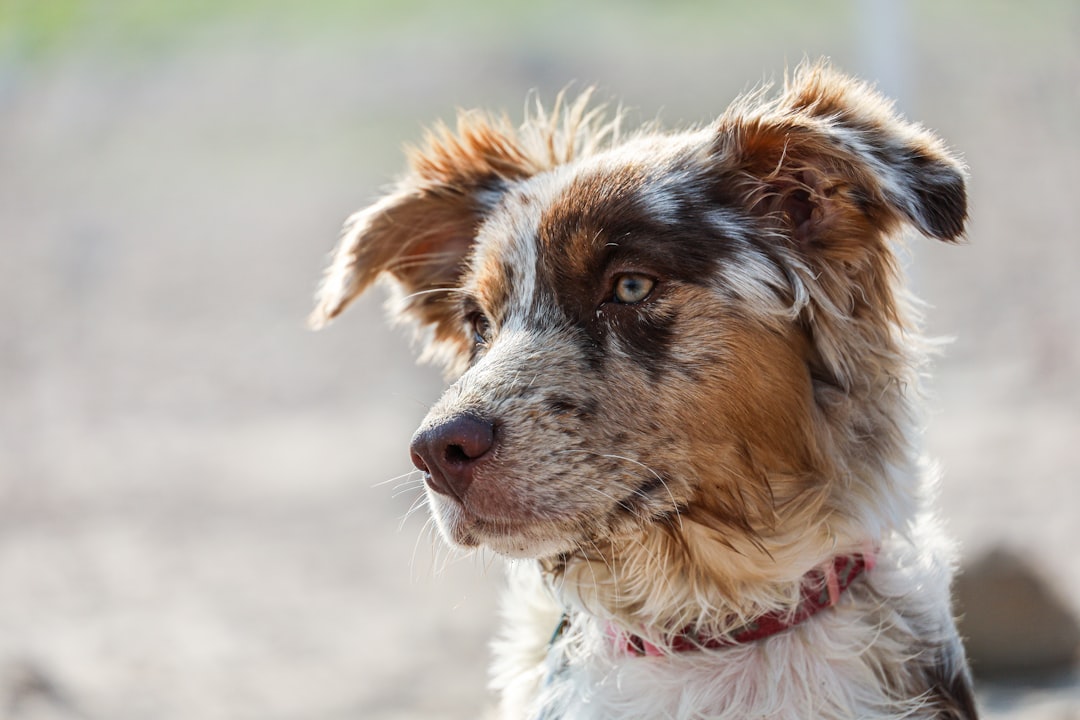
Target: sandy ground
198, 516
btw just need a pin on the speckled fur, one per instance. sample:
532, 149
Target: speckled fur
685, 460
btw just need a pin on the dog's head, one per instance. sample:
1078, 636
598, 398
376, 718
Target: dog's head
696, 333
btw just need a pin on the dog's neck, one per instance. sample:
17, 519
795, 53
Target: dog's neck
661, 585
821, 588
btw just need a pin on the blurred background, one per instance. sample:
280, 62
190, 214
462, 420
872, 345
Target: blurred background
194, 515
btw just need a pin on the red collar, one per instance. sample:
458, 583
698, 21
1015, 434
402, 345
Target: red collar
821, 588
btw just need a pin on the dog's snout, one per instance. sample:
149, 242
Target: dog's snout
450, 451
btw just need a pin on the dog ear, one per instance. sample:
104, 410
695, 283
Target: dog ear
421, 233
832, 172
839, 167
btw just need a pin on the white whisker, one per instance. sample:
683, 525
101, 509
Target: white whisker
396, 477
426, 527
430, 291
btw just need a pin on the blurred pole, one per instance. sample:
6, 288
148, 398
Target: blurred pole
884, 47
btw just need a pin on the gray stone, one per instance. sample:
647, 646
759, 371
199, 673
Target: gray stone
1014, 623
29, 692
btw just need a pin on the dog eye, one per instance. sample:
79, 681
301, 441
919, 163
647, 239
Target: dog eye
632, 288
480, 327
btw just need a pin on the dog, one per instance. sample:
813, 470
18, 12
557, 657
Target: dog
685, 372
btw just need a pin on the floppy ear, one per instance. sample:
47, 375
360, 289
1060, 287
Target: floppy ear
832, 158
421, 233
832, 172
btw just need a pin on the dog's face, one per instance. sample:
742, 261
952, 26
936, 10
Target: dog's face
625, 340
659, 331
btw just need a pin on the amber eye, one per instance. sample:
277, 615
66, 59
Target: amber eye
480, 327
632, 288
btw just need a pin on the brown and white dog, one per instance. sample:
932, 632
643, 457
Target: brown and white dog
685, 374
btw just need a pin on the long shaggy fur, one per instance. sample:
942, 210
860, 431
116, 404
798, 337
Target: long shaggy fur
682, 459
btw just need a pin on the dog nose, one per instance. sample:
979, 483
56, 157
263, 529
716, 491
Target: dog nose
450, 451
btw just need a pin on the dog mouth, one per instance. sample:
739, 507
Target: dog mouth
525, 525
490, 486
519, 541
476, 520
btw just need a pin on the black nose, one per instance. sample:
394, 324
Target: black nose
450, 452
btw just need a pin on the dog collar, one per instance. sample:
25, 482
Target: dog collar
821, 588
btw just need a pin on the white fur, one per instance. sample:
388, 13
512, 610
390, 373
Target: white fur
826, 667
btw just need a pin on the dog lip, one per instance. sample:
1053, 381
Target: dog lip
509, 531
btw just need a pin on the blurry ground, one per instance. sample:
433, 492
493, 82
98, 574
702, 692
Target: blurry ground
191, 524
